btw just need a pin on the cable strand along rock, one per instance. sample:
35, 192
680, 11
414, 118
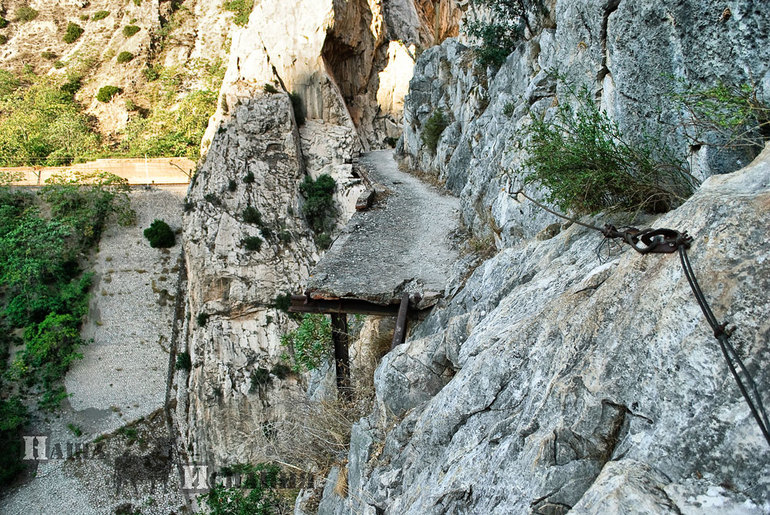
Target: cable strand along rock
666, 241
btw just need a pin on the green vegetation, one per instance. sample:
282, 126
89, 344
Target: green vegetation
183, 361
282, 302
100, 15
43, 291
74, 31
242, 10
310, 344
124, 57
202, 319
160, 235
732, 111
433, 129
251, 215
13, 418
75, 429
25, 13
323, 240
249, 178
280, 371
257, 495
40, 123
252, 243
178, 118
3, 22
130, 30
232, 185
506, 25
585, 164
299, 108
509, 108
3, 39
106, 93
260, 378
319, 202
269, 88
48, 55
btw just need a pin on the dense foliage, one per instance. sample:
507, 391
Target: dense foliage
257, 494
319, 208
124, 57
43, 291
310, 344
434, 126
74, 31
586, 164
106, 93
160, 235
498, 27
41, 124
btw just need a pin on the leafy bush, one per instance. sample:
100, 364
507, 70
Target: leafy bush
260, 377
3, 22
26, 13
284, 236
319, 201
269, 88
257, 495
232, 185
130, 30
586, 165
74, 31
323, 240
160, 235
124, 57
498, 33
251, 215
311, 343
433, 129
48, 55
242, 10
509, 108
100, 15
3, 39
299, 108
280, 371
59, 65
252, 243
731, 110
106, 93
202, 319
282, 302
151, 73
248, 178
183, 361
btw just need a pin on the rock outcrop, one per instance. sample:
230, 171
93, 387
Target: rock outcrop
555, 380
630, 55
560, 377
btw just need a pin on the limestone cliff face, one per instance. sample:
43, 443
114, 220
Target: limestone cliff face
343, 60
552, 380
628, 54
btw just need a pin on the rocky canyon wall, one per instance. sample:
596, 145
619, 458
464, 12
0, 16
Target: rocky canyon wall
559, 377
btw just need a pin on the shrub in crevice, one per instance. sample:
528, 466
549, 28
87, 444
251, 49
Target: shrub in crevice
585, 164
74, 31
319, 202
433, 129
160, 235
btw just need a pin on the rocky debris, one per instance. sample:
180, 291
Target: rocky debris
628, 54
554, 380
403, 244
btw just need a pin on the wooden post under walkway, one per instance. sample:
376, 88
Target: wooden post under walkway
339, 310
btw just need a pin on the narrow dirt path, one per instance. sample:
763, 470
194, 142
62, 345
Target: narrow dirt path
403, 243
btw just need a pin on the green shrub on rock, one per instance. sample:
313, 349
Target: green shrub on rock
106, 93
26, 13
74, 31
433, 129
160, 235
130, 30
125, 57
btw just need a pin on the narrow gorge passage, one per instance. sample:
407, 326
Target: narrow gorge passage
403, 243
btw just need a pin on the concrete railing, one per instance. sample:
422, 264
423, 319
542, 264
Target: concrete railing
157, 170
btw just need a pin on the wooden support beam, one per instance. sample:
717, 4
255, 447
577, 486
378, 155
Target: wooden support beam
303, 304
341, 354
400, 333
